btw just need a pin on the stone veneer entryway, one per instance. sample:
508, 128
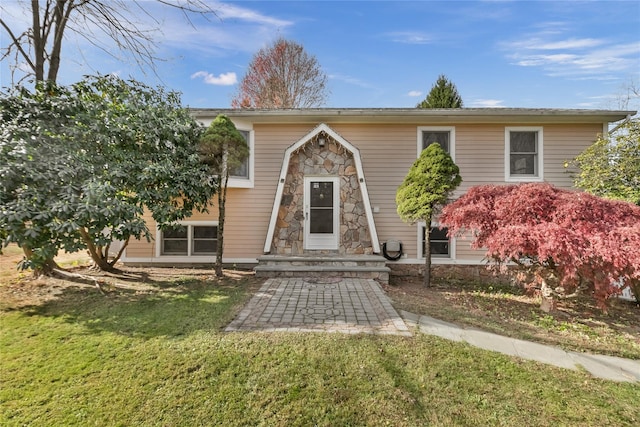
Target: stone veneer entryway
322, 153
332, 159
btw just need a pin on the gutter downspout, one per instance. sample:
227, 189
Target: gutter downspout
622, 123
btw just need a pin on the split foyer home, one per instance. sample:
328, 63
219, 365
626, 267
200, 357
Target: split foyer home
319, 186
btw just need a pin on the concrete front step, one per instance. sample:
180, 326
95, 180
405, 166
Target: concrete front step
351, 260
352, 266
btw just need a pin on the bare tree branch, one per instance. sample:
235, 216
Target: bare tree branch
40, 46
16, 43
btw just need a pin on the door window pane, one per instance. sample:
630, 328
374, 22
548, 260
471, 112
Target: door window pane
321, 221
321, 194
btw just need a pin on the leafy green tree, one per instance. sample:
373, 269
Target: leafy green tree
81, 165
222, 148
443, 94
611, 166
428, 185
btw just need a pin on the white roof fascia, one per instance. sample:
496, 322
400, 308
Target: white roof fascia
418, 115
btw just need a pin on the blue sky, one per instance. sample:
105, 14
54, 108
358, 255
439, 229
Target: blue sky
556, 54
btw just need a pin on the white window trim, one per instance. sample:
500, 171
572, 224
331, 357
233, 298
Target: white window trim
507, 154
189, 256
452, 138
235, 182
452, 244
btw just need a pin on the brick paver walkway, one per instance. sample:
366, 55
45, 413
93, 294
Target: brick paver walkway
323, 304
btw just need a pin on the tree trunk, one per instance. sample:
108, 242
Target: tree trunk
119, 254
46, 268
548, 302
101, 260
222, 198
635, 288
60, 18
427, 254
39, 45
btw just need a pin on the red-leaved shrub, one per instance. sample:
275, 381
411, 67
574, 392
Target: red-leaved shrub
566, 239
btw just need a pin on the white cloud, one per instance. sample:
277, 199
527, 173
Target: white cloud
414, 93
574, 57
350, 80
487, 103
537, 43
233, 29
229, 11
224, 79
410, 37
593, 63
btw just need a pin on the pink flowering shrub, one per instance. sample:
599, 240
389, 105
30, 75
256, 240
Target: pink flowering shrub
566, 240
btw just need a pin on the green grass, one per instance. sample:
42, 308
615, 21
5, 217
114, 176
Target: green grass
158, 357
577, 325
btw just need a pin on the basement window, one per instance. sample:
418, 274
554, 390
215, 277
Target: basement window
440, 243
189, 240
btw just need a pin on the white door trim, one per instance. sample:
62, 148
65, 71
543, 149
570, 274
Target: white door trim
283, 178
321, 241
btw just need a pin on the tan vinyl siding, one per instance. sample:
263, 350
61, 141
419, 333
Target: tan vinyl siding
387, 152
142, 248
479, 155
563, 143
249, 210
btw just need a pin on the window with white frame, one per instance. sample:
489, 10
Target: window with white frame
189, 240
242, 171
242, 176
523, 154
443, 136
441, 245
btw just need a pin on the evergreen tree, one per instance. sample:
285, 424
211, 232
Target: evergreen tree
427, 186
222, 148
443, 94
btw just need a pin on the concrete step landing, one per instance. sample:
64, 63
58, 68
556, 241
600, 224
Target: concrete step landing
323, 265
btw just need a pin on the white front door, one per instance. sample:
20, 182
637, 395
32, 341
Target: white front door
321, 212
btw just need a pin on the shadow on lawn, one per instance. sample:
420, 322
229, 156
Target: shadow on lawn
148, 306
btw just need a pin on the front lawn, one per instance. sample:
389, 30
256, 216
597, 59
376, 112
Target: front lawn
151, 351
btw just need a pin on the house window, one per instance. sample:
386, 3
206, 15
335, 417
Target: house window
243, 175
205, 240
440, 243
242, 171
444, 136
189, 239
175, 241
523, 154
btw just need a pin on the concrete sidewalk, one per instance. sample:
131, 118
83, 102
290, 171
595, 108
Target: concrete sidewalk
607, 367
349, 305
